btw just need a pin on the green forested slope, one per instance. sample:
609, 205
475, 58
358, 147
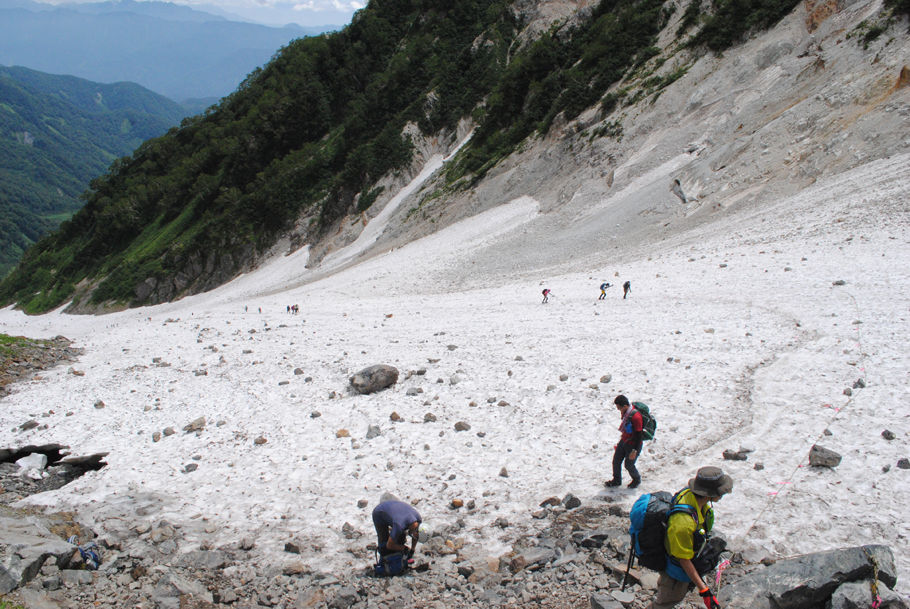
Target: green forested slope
322, 122
56, 134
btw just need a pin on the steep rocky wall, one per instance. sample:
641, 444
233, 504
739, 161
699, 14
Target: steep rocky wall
803, 100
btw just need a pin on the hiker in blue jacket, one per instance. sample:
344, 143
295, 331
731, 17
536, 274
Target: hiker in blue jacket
394, 521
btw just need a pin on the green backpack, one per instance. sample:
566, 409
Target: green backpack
649, 423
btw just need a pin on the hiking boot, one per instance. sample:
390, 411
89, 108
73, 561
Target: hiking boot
612, 482
634, 484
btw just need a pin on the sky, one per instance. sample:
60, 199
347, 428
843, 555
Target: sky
743, 333
279, 12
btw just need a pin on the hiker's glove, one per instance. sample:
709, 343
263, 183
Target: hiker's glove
709, 599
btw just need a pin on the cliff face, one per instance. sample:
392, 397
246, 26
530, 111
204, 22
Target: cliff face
806, 99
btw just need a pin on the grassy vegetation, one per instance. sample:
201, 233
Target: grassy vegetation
9, 605
730, 21
11, 346
55, 136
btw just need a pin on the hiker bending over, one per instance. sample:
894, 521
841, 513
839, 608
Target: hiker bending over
394, 521
603, 290
630, 439
546, 296
686, 538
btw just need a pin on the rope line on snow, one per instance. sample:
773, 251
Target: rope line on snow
837, 410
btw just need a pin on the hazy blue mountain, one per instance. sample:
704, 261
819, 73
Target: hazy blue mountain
57, 133
173, 50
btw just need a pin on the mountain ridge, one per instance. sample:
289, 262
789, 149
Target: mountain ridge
563, 121
173, 50
57, 133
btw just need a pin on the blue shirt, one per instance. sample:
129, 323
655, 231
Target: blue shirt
398, 515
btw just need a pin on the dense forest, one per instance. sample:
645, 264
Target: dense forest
56, 134
311, 133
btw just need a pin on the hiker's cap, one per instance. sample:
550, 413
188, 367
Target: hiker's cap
711, 482
423, 533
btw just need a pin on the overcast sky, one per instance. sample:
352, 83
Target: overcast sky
280, 12
273, 12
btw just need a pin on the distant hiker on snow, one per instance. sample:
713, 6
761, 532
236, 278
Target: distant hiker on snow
630, 441
603, 290
626, 289
546, 296
394, 521
687, 530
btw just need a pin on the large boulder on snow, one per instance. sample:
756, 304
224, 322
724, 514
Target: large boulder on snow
375, 378
809, 580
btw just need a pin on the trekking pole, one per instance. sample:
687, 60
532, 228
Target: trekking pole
628, 568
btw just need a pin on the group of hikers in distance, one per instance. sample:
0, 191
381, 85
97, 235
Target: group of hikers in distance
683, 522
626, 290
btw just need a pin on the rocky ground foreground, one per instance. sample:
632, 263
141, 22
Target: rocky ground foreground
577, 560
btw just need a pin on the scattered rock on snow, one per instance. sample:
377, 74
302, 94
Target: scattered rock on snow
374, 378
820, 456
736, 455
196, 425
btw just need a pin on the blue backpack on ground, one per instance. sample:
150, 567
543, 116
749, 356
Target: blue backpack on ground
390, 564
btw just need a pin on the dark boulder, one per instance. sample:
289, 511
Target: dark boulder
809, 580
375, 378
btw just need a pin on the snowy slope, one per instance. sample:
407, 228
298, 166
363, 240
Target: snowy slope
734, 332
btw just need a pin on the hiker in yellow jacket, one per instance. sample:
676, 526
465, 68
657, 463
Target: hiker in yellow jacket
686, 536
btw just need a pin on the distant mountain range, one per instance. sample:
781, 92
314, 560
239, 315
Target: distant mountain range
57, 133
173, 50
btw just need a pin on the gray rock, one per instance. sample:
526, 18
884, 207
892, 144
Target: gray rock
429, 418
856, 595
735, 455
72, 578
859, 384
344, 598
206, 559
33, 599
622, 596
819, 456
571, 502
25, 545
462, 426
888, 435
808, 580
374, 378
903, 463
172, 586
606, 378
373, 431
599, 601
